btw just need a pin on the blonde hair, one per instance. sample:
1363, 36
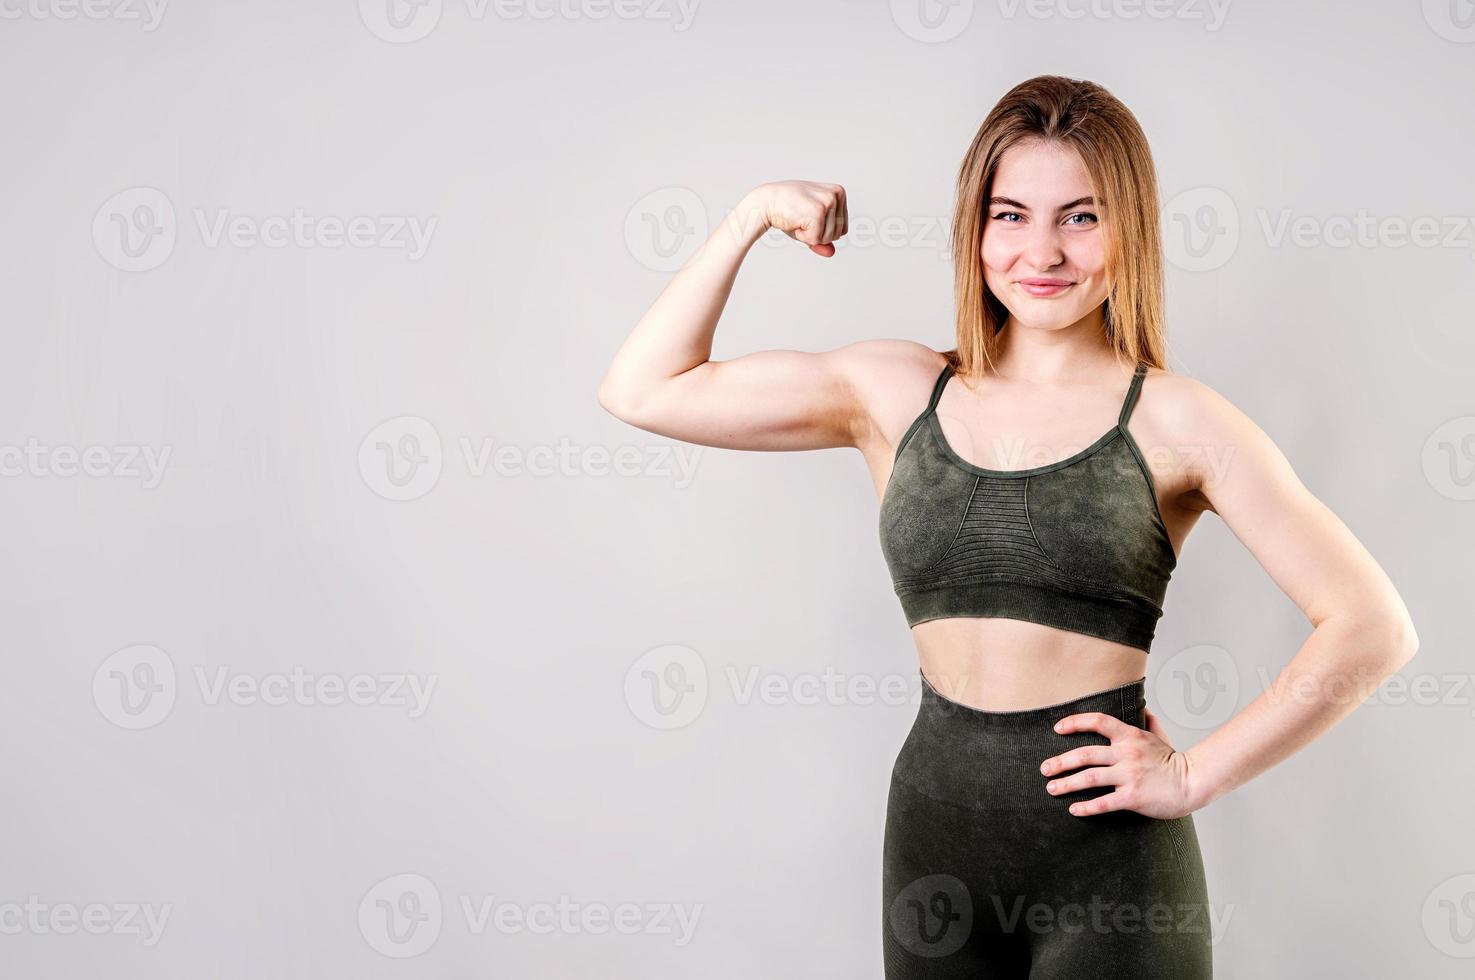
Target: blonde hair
1111, 144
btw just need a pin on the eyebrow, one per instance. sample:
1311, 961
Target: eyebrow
1010, 202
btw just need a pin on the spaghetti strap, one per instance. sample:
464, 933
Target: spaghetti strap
947, 370
926, 413
1133, 391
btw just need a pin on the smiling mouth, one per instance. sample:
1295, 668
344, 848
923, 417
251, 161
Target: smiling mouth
1044, 288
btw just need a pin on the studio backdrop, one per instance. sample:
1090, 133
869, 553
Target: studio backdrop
347, 635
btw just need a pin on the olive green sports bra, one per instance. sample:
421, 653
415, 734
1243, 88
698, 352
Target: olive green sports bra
1077, 544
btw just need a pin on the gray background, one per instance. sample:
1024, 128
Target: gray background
567, 162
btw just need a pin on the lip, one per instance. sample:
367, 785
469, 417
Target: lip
1045, 287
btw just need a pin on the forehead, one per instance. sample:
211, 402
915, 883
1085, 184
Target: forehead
1041, 173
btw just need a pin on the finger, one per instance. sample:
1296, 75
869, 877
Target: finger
1154, 726
827, 251
1115, 800
1085, 779
832, 220
1086, 755
1094, 721
844, 215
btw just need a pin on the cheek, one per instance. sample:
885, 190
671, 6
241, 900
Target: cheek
995, 254
1089, 257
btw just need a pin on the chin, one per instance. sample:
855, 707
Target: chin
1052, 320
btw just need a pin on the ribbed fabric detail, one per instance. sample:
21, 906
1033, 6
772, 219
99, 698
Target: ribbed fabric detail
1129, 621
995, 536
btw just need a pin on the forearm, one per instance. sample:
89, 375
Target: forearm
1341, 664
675, 334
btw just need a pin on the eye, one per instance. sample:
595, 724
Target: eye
1082, 214
1008, 214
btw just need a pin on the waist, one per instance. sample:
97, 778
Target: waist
1006, 664
991, 759
937, 710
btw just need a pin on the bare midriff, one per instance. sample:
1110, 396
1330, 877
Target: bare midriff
1009, 665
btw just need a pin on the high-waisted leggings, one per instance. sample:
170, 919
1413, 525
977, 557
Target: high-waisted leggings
987, 875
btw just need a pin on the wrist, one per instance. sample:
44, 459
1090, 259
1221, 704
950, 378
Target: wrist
1201, 788
751, 214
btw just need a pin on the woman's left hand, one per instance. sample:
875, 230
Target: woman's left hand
1150, 777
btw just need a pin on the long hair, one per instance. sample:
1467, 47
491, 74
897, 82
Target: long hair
1111, 144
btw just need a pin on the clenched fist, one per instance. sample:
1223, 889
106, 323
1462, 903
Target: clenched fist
807, 211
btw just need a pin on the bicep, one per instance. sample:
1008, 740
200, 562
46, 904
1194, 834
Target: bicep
1302, 545
764, 400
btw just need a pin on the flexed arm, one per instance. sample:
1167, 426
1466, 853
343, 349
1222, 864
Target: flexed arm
663, 380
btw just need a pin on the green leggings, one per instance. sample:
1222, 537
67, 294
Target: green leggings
987, 875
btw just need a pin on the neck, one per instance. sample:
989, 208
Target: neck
1055, 355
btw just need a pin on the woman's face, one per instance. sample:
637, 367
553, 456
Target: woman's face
1041, 224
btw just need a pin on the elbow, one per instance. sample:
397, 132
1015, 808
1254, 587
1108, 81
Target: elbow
1381, 641
1398, 640
1406, 639
616, 400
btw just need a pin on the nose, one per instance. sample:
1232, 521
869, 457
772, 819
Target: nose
1042, 249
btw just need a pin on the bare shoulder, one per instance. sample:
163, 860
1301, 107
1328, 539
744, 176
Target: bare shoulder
1190, 407
1188, 427
882, 360
891, 380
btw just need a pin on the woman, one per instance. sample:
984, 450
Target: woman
1039, 821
